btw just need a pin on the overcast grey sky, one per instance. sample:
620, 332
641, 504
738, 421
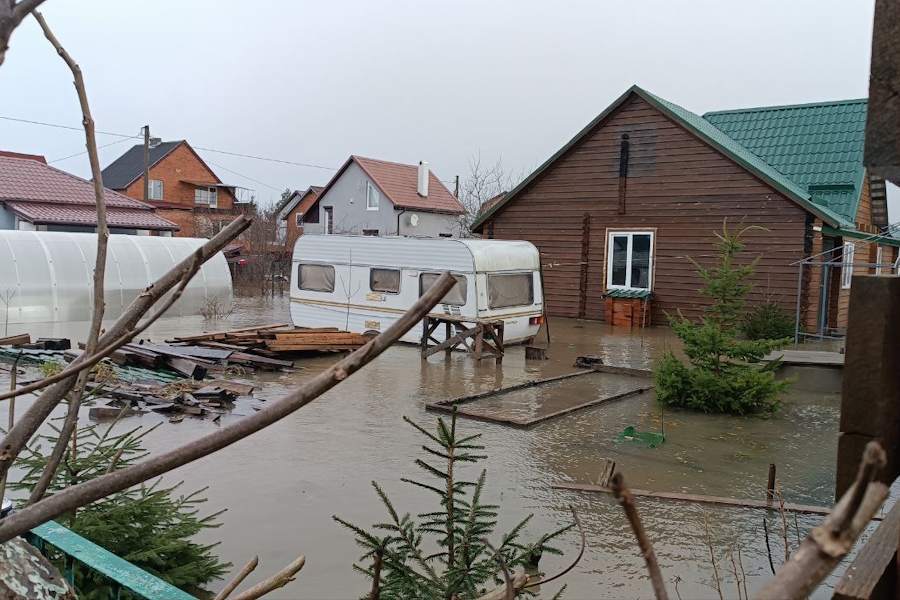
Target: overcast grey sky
314, 82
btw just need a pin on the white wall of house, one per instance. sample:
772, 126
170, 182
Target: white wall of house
353, 213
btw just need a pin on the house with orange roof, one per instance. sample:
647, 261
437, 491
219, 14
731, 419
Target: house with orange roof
376, 197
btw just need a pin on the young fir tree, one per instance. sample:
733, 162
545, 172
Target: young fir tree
723, 373
462, 566
151, 526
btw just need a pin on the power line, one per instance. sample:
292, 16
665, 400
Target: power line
275, 160
245, 177
85, 151
58, 126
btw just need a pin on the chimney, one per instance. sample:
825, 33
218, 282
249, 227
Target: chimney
423, 179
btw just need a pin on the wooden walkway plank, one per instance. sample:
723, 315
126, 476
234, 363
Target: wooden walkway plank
806, 358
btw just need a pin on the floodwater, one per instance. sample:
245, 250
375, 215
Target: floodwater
282, 485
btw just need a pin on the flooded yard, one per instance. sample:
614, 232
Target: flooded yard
282, 486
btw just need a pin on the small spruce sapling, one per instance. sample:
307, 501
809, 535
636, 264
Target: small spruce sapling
151, 525
462, 566
723, 373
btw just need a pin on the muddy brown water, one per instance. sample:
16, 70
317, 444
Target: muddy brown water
281, 486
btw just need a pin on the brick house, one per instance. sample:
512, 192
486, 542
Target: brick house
183, 188
291, 212
618, 210
37, 197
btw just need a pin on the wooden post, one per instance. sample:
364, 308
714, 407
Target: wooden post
424, 336
870, 400
770, 486
448, 333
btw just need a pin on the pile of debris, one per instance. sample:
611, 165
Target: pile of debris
180, 398
272, 339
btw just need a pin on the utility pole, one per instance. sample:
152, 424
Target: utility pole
456, 189
146, 162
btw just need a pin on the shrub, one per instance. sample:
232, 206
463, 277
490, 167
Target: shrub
723, 374
767, 321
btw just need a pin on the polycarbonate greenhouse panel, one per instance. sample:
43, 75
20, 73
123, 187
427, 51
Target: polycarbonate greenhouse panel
48, 276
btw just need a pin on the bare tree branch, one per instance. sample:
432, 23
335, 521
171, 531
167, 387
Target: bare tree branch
28, 425
11, 15
99, 487
279, 579
70, 425
828, 543
510, 586
248, 568
623, 495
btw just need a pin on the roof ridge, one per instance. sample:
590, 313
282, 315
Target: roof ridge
778, 107
387, 162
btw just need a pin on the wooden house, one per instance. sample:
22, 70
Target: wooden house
622, 208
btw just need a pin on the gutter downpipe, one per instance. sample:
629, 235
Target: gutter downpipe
403, 212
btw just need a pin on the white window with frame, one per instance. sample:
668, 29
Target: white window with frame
206, 196
457, 294
879, 256
510, 289
156, 190
298, 219
847, 265
372, 197
384, 280
629, 260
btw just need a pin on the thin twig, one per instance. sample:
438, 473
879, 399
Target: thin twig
577, 558
712, 557
784, 525
238, 579
70, 425
115, 459
278, 580
626, 499
826, 544
734, 572
507, 578
15, 440
743, 572
676, 581
100, 487
768, 547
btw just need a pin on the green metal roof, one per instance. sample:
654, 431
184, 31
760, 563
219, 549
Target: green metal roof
818, 146
628, 293
707, 131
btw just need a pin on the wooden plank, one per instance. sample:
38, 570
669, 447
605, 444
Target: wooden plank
571, 409
23, 338
194, 352
873, 572
512, 388
701, 499
807, 358
186, 367
214, 336
453, 341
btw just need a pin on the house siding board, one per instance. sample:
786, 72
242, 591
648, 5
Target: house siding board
179, 165
354, 217
676, 184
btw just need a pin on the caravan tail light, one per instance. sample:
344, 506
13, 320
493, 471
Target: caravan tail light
536, 320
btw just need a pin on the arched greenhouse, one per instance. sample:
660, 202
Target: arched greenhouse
48, 276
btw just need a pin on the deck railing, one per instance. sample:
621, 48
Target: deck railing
121, 573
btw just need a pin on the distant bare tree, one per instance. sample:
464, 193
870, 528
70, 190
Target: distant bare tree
483, 184
265, 255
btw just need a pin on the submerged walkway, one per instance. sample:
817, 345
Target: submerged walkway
809, 358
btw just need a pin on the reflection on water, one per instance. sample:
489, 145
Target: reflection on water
282, 486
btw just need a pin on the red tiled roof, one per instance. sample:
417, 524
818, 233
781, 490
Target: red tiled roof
36, 157
399, 183
24, 180
87, 215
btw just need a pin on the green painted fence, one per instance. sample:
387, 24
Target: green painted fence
121, 573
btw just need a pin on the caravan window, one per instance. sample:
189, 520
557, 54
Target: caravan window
315, 278
513, 289
384, 280
457, 294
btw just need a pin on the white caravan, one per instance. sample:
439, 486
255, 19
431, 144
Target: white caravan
364, 283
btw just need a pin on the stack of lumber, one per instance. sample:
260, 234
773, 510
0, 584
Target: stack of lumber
278, 338
23, 340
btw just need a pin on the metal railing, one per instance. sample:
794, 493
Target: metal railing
121, 574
